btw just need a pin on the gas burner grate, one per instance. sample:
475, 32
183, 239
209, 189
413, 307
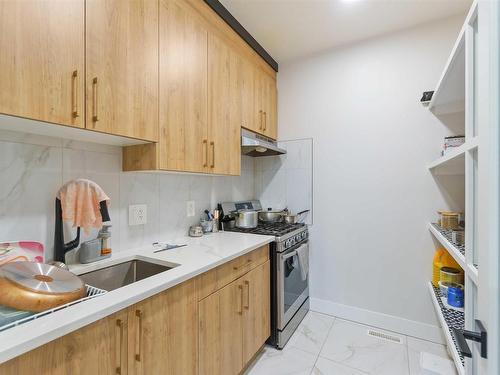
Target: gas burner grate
272, 229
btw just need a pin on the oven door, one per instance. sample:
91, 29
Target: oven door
292, 290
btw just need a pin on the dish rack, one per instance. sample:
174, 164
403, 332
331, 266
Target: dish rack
92, 292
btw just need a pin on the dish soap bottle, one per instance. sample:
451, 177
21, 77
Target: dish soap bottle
105, 237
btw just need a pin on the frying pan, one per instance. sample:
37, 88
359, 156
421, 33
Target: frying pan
31, 286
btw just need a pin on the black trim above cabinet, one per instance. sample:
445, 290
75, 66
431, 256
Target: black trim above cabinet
241, 31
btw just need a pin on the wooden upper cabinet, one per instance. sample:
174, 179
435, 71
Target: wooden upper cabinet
224, 87
122, 67
163, 333
271, 116
247, 96
265, 111
42, 60
183, 89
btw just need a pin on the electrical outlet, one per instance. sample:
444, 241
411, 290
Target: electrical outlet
190, 208
137, 214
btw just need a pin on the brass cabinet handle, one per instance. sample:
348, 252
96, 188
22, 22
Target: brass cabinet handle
212, 144
138, 314
265, 121
74, 93
95, 102
247, 283
260, 118
240, 310
205, 146
119, 324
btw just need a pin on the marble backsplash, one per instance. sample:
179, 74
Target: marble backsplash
287, 180
34, 167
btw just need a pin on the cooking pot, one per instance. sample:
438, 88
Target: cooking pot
292, 219
247, 219
271, 216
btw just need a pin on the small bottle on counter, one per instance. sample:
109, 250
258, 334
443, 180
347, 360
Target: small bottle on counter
105, 237
215, 227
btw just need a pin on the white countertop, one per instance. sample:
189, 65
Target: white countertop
200, 255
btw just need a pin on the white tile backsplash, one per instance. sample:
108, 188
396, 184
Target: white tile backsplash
34, 167
287, 180
30, 177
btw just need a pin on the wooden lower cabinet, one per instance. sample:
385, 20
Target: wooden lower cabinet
163, 332
171, 333
221, 331
97, 349
234, 323
156, 336
256, 310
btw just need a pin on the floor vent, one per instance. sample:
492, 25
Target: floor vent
385, 336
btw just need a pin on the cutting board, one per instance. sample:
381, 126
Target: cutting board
21, 250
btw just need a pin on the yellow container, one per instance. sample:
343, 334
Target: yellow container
442, 258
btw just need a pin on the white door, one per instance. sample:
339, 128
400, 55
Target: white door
482, 179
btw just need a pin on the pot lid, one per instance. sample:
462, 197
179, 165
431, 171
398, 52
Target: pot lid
41, 278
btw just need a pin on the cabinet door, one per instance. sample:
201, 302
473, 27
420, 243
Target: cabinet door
42, 60
122, 67
163, 336
247, 94
183, 89
220, 331
224, 113
256, 310
260, 90
271, 111
99, 348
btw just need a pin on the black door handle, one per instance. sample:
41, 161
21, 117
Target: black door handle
461, 337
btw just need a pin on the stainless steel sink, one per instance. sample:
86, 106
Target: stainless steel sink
121, 274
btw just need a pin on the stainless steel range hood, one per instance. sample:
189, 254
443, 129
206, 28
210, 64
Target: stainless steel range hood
253, 144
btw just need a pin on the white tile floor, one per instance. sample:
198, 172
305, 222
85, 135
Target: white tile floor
324, 345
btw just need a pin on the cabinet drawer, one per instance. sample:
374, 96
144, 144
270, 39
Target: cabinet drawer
219, 277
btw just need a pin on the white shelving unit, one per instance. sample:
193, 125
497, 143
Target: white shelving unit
449, 95
448, 318
454, 161
456, 93
454, 250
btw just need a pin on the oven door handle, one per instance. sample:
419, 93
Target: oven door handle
293, 253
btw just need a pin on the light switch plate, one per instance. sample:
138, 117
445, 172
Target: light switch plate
190, 208
137, 214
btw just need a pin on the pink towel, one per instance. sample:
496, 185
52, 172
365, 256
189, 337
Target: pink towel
80, 203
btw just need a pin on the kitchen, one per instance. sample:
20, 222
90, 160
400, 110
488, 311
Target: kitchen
196, 124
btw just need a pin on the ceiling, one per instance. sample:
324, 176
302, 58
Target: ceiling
289, 29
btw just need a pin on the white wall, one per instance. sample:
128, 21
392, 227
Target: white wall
373, 195
33, 168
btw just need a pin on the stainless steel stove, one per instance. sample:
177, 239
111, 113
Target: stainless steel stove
289, 286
